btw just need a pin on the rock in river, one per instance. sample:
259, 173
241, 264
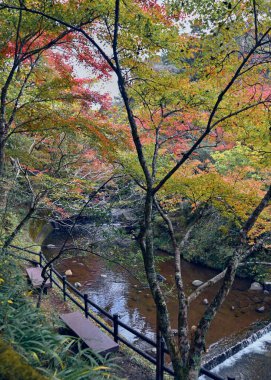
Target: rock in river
77, 284
68, 272
267, 286
260, 309
205, 301
197, 283
160, 278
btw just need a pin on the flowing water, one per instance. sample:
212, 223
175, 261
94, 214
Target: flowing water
250, 363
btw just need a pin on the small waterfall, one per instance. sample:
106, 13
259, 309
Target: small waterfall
215, 361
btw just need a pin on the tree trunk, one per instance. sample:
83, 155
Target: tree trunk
2, 155
15, 232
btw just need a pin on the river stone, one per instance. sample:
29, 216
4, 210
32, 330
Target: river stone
205, 301
260, 309
266, 292
160, 277
256, 286
68, 272
197, 283
103, 275
77, 284
50, 246
267, 285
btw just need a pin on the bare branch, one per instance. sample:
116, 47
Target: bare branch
255, 248
255, 20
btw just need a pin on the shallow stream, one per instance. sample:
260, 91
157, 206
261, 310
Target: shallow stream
117, 291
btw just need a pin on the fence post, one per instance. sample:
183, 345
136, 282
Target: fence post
40, 256
51, 276
162, 358
116, 327
86, 305
159, 369
64, 287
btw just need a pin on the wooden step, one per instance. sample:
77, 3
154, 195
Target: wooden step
91, 335
34, 274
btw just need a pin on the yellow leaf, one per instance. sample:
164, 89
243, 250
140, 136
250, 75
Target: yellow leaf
101, 367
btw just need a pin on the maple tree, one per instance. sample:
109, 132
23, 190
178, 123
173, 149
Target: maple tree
48, 113
213, 85
38, 85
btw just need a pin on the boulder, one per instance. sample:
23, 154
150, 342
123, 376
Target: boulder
197, 283
205, 301
50, 246
266, 292
104, 275
260, 309
68, 272
256, 286
77, 285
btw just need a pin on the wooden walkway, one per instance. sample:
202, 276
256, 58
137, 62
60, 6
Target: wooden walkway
91, 335
34, 275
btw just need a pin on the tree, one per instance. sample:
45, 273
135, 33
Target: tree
30, 53
223, 64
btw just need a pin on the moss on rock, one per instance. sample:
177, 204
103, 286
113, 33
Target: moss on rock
13, 366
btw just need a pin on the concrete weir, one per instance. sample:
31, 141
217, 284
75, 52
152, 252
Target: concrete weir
216, 360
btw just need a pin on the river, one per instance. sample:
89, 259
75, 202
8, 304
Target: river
117, 291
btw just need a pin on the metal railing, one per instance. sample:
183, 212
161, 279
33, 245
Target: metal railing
112, 323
